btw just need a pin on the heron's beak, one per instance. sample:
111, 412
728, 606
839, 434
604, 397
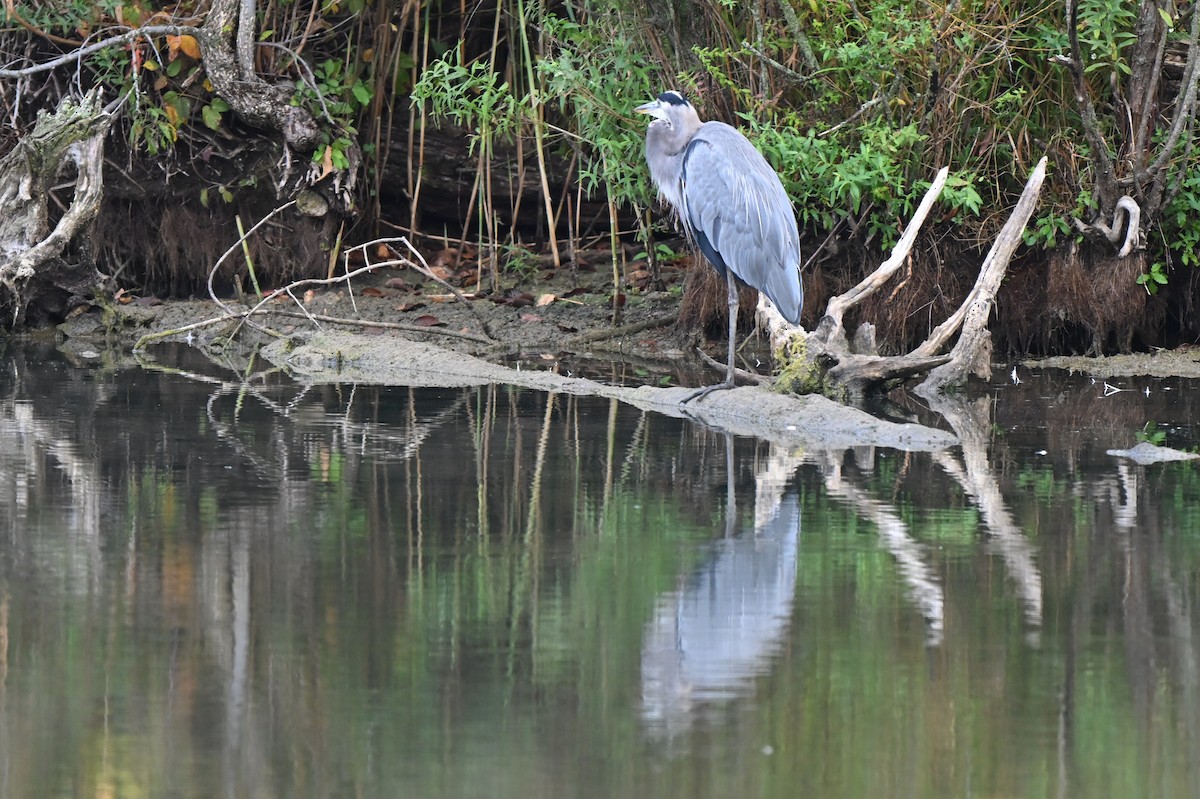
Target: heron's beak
654, 108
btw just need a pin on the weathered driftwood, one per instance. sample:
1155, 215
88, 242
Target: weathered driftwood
32, 264
826, 360
972, 352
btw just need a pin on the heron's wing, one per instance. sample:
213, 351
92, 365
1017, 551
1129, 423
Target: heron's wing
737, 208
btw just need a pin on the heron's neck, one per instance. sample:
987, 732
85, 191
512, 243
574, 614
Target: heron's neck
672, 140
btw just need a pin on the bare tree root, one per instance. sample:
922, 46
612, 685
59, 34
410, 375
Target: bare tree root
1127, 218
850, 372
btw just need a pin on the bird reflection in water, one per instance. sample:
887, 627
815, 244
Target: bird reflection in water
710, 638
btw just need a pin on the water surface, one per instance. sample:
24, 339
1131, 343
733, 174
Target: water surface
217, 582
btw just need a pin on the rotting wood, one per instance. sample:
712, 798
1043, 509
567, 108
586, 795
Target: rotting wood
33, 270
825, 360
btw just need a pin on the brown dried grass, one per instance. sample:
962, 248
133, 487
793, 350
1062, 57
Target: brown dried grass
1072, 301
1093, 298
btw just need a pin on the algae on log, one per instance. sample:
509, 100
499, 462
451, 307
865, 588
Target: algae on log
36, 278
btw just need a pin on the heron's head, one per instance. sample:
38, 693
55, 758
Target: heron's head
669, 107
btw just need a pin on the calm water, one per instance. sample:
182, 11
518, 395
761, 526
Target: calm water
211, 587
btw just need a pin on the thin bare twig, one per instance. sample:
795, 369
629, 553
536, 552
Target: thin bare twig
114, 41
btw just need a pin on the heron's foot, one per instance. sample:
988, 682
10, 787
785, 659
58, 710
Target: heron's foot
701, 393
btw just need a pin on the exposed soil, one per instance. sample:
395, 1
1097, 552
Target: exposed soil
566, 344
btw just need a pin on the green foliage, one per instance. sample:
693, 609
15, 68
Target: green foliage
1180, 217
1154, 279
471, 95
1045, 231
599, 78
1151, 434
1105, 34
867, 172
520, 261
338, 93
339, 96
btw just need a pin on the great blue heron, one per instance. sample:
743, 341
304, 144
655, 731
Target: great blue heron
731, 203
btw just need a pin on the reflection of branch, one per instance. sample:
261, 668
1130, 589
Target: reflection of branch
22, 433
923, 586
972, 423
770, 480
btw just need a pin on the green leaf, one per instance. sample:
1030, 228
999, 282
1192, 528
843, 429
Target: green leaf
362, 93
212, 117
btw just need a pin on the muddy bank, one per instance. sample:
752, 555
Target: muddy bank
555, 334
810, 422
1182, 362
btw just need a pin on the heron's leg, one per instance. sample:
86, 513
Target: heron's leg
732, 299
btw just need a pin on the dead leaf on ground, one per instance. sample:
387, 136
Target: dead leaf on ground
372, 291
309, 296
409, 306
545, 300
398, 283
567, 328
530, 317
428, 320
517, 299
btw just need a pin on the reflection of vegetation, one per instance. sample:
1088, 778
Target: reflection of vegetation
345, 575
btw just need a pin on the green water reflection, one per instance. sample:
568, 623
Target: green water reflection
213, 589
